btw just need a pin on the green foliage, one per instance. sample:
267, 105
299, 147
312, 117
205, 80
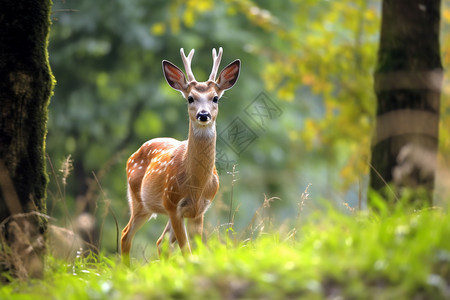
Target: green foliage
326, 62
394, 255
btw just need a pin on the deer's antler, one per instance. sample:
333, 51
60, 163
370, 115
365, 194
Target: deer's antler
216, 62
187, 64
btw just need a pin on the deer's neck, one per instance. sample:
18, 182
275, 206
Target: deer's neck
201, 154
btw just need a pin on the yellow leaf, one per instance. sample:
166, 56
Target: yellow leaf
158, 29
308, 79
189, 18
370, 15
446, 15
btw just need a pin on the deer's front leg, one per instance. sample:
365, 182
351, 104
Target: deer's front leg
195, 228
179, 230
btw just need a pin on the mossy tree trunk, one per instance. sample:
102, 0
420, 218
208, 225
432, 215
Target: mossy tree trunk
408, 82
26, 85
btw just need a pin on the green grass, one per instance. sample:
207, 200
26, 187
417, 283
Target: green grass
400, 255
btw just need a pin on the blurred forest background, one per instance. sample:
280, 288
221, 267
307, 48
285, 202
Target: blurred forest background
304, 101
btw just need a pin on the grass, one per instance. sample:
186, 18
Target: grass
331, 255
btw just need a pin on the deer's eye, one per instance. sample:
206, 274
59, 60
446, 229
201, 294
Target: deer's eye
190, 99
215, 99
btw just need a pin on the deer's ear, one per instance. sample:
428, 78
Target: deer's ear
229, 75
174, 76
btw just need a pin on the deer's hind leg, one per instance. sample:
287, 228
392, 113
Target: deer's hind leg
137, 219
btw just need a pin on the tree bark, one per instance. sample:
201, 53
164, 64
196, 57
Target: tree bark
408, 82
26, 85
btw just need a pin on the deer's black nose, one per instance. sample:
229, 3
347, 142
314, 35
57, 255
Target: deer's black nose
203, 116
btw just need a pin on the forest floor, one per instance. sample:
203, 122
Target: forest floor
398, 254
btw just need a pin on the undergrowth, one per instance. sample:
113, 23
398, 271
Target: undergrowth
388, 255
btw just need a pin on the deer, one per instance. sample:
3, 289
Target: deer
179, 178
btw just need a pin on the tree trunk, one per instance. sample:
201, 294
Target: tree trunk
26, 85
408, 82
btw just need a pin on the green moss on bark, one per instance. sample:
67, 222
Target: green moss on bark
26, 84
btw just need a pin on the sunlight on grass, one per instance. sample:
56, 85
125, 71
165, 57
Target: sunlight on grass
362, 256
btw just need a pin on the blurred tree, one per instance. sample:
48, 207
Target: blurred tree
25, 87
408, 82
